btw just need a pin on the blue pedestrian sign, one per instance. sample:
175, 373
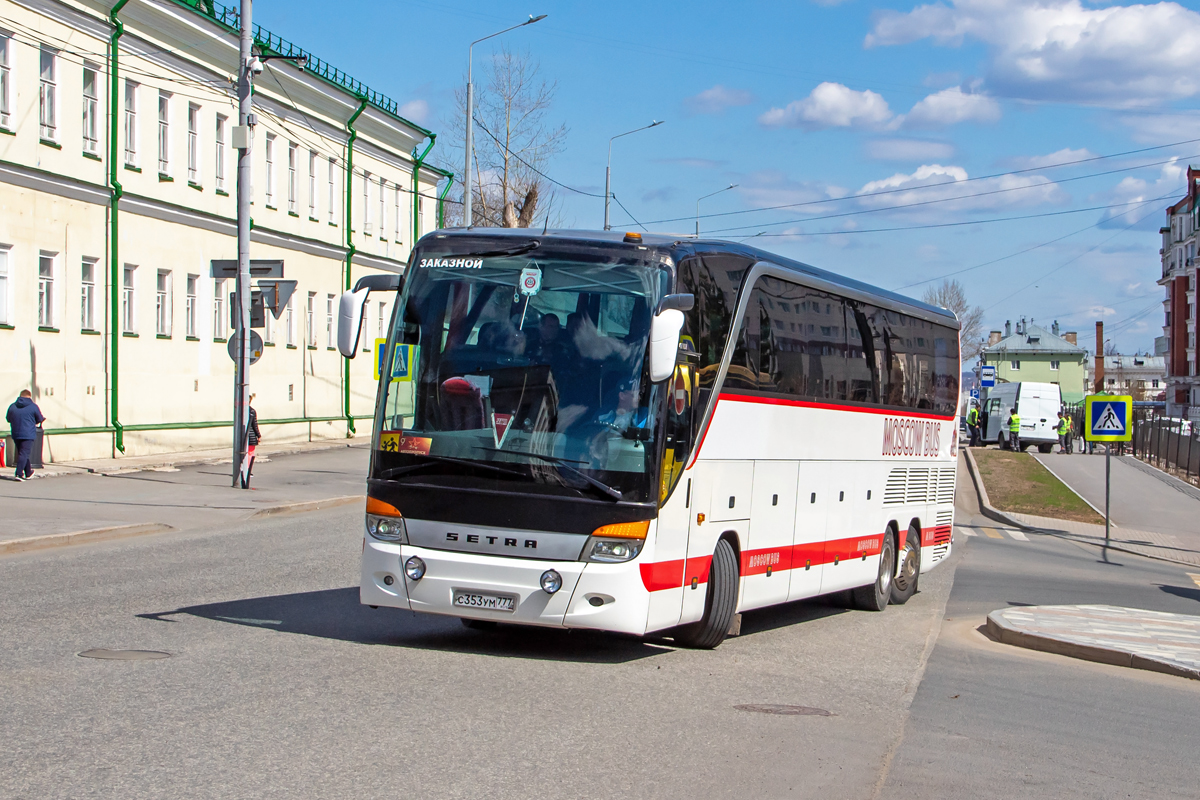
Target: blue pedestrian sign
1108, 418
987, 377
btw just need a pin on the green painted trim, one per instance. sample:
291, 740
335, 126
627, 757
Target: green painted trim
89, 332
222, 192
291, 347
113, 374
129, 335
219, 340
165, 178
313, 219
7, 131
348, 190
132, 168
312, 347
268, 344
333, 224
50, 143
273, 208
191, 338
441, 201
92, 156
162, 336
6, 327
293, 214
196, 186
47, 329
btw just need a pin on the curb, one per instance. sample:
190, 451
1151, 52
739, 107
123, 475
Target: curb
1001, 632
985, 504
118, 469
309, 505
80, 537
1072, 488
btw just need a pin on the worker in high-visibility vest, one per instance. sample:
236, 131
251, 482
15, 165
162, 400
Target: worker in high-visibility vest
973, 424
1064, 425
1014, 429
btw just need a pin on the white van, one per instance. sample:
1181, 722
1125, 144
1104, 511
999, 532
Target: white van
1037, 404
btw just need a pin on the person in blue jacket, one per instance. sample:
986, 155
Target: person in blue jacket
24, 417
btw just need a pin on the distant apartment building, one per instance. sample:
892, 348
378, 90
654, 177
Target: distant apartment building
1033, 353
118, 187
1141, 377
1178, 279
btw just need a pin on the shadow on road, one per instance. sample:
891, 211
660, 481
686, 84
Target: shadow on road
337, 614
768, 619
1186, 592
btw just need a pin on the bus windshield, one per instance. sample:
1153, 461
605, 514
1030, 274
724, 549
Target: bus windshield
521, 368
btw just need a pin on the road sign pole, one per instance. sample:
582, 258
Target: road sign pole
241, 391
1107, 490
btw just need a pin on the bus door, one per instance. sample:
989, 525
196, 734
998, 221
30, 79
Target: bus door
722, 497
767, 550
808, 540
850, 538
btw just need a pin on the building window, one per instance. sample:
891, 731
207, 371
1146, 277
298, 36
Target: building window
220, 160
128, 307
268, 327
382, 318
190, 311
309, 327
193, 136
91, 110
312, 184
382, 210
1014, 365
293, 154
329, 321
332, 204
87, 295
1154, 383
47, 95
399, 205
366, 199
164, 133
131, 137
46, 289
4, 252
5, 81
162, 303
1054, 366
290, 322
270, 169
219, 308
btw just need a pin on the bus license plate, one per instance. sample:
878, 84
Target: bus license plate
491, 602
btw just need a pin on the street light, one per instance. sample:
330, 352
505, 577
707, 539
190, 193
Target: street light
471, 113
698, 199
608, 169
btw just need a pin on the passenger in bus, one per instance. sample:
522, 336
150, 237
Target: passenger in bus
625, 414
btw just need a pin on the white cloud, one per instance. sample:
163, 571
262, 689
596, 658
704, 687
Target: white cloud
831, 105
1101, 311
950, 107
717, 99
936, 182
1134, 196
1064, 156
1158, 128
1131, 55
909, 150
415, 110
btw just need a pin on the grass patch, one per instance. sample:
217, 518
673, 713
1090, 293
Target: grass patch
1018, 482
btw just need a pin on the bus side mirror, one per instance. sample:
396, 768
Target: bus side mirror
664, 343
350, 313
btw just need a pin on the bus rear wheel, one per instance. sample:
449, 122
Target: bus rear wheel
904, 585
719, 603
875, 596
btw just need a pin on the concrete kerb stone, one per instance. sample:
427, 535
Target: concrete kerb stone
985, 504
310, 505
29, 543
125, 466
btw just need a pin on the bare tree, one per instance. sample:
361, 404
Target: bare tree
951, 296
513, 143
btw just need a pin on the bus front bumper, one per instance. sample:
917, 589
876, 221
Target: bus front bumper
607, 597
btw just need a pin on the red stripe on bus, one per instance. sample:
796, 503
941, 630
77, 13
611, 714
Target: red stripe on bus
783, 401
660, 575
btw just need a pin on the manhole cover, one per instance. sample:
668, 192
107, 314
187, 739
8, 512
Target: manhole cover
126, 655
773, 708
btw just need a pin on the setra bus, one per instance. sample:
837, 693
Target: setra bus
639, 433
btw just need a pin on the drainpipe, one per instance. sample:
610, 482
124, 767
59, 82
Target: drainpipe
441, 201
350, 249
418, 160
115, 192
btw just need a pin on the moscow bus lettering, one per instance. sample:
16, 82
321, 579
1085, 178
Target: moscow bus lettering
641, 434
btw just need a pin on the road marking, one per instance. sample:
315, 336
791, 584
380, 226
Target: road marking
992, 533
965, 531
1020, 537
1195, 578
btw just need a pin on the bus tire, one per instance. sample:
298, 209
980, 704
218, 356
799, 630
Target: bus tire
719, 603
875, 596
478, 624
904, 585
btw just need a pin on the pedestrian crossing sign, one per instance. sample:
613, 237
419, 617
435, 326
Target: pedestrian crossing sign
1108, 418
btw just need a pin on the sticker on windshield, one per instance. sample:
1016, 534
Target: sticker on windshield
396, 442
531, 280
450, 263
500, 426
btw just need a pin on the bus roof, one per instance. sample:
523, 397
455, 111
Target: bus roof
681, 246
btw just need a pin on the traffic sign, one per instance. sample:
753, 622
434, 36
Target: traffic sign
1108, 418
256, 347
987, 377
974, 392
401, 361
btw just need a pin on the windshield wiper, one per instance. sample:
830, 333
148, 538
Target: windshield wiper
397, 471
562, 464
511, 251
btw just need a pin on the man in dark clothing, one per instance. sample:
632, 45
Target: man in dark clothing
24, 417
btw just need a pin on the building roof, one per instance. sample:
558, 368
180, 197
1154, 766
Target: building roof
1135, 362
1033, 339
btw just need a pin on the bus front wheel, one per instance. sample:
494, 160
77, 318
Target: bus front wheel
875, 597
719, 603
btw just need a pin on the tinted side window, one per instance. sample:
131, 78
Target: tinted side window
714, 279
800, 338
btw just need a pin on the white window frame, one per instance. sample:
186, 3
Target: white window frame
189, 311
193, 144
6, 80
379, 334
219, 161
268, 327
366, 203
399, 227
382, 209
163, 316
1014, 365
164, 132
332, 180
91, 109
130, 118
269, 153
329, 343
47, 267
5, 284
293, 188
219, 315
129, 299
309, 329
87, 293
312, 184
290, 324
48, 93
1054, 366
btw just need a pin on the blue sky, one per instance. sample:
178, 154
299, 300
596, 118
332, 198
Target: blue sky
830, 103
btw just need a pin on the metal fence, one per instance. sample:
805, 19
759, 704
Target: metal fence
1171, 444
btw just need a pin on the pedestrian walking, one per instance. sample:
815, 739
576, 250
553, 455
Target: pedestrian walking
24, 418
253, 437
1062, 429
1014, 430
973, 424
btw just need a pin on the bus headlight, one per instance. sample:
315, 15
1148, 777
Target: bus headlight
385, 523
613, 544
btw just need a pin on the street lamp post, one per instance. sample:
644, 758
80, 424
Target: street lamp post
471, 113
608, 169
698, 199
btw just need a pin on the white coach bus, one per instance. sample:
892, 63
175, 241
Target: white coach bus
641, 433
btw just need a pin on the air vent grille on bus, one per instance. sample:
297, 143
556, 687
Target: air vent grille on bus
940, 551
893, 493
945, 518
918, 484
945, 485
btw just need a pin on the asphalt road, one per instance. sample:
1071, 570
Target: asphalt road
280, 684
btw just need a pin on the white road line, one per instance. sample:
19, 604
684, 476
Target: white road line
1020, 537
965, 531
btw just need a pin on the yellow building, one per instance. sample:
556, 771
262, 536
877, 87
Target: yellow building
117, 189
